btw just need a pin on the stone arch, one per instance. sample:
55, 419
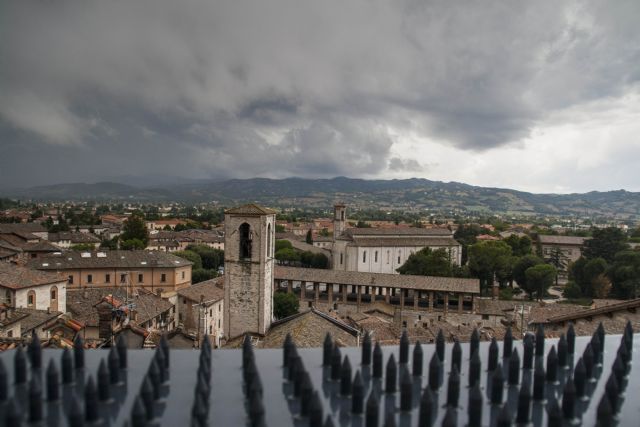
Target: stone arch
244, 232
53, 304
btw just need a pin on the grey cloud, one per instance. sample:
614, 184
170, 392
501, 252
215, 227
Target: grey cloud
407, 165
292, 88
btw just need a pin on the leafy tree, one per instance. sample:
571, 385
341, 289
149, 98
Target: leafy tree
190, 256
111, 244
362, 224
506, 294
572, 291
539, 278
324, 232
558, 259
83, 247
282, 244
428, 262
309, 238
134, 228
625, 274
484, 260
287, 255
520, 246
280, 228
521, 267
504, 269
211, 258
132, 244
586, 273
605, 243
285, 305
466, 234
201, 274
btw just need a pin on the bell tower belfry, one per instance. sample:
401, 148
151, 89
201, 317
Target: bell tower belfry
249, 244
339, 219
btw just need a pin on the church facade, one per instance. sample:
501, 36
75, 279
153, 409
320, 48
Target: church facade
375, 250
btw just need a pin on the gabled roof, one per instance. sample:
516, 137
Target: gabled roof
109, 259
561, 240
211, 290
390, 232
250, 209
18, 277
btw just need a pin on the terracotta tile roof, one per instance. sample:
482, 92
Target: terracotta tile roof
18, 277
73, 237
250, 209
404, 241
412, 231
108, 259
36, 318
6, 253
429, 283
29, 227
543, 313
561, 240
492, 307
592, 312
212, 290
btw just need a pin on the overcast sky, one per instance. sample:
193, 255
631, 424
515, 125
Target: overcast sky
541, 96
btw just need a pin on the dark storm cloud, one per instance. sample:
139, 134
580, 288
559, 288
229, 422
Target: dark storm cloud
287, 87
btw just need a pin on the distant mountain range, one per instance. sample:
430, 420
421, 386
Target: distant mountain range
406, 194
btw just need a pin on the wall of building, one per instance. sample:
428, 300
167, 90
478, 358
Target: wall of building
150, 278
43, 300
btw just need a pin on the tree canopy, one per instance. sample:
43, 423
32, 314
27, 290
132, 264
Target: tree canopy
190, 256
539, 278
605, 244
485, 258
285, 305
134, 228
428, 262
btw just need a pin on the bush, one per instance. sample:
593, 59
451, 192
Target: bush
201, 274
190, 256
285, 305
132, 244
572, 291
506, 294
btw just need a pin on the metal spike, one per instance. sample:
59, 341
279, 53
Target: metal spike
329, 422
456, 355
35, 400
114, 366
554, 414
524, 402
571, 339
327, 350
552, 365
345, 377
35, 351
601, 336
475, 368
4, 382
121, 346
256, 413
78, 352
91, 412
53, 382
440, 345
569, 400
563, 352
75, 417
540, 341
146, 394
528, 347
435, 372
619, 370
453, 388
417, 360
504, 417
624, 353
390, 420
357, 394
404, 348
580, 378
605, 412
589, 360
138, 414
474, 341
450, 417
13, 416
366, 350
154, 377
67, 367
514, 368
406, 390
286, 348
497, 386
425, 419
493, 355
507, 344
306, 392
538, 380
371, 415
20, 366
595, 345
391, 375
315, 411
613, 392
104, 393
377, 361
336, 363
164, 345
297, 379
475, 406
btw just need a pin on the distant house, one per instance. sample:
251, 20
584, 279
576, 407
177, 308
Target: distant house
25, 241
565, 249
200, 309
157, 272
161, 224
68, 239
22, 287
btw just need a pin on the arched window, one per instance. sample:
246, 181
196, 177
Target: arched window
342, 215
269, 241
245, 241
53, 303
31, 299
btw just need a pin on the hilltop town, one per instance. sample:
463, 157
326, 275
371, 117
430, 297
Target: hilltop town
180, 271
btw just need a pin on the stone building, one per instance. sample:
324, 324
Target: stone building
200, 307
156, 272
382, 250
249, 264
22, 287
566, 249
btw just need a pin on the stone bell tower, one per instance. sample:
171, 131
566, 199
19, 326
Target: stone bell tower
249, 244
339, 219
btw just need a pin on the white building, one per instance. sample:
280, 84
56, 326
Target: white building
22, 287
381, 250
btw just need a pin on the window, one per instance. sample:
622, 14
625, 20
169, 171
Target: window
341, 256
245, 241
53, 293
342, 215
388, 256
107, 278
184, 300
8, 297
364, 256
123, 278
140, 278
218, 323
211, 312
219, 308
183, 274
376, 257
269, 241
34, 255
10, 334
398, 259
89, 278
70, 280
31, 299
210, 329
163, 277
